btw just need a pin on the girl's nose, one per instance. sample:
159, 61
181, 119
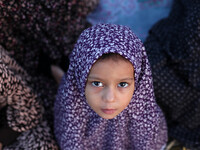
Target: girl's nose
109, 94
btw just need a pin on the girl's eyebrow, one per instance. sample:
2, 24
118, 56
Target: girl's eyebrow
97, 78
127, 78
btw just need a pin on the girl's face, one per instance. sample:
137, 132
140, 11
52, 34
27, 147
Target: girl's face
110, 87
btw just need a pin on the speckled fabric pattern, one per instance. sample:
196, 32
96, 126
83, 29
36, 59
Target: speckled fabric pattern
24, 108
42, 31
140, 126
39, 137
24, 111
37, 34
173, 48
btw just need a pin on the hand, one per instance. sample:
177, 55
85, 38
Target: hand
57, 73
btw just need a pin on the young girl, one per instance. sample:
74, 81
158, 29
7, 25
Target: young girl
106, 99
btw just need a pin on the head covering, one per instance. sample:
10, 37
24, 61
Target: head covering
141, 126
173, 48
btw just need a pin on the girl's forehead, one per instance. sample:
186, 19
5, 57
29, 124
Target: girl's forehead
112, 70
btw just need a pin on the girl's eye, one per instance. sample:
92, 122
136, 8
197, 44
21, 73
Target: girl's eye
123, 84
97, 84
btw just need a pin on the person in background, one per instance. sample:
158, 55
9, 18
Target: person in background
38, 36
139, 15
22, 124
106, 99
173, 49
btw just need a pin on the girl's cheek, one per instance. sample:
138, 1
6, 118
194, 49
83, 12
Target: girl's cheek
97, 90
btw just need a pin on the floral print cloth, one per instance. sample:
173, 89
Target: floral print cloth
140, 126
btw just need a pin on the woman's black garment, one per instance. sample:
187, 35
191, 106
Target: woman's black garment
7, 135
173, 48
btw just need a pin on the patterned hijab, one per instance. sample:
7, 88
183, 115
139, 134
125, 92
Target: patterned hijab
173, 48
140, 126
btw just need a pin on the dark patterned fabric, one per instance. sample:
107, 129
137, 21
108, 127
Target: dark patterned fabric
173, 48
38, 33
39, 137
140, 126
7, 134
24, 110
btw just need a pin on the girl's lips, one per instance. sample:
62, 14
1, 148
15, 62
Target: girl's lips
108, 111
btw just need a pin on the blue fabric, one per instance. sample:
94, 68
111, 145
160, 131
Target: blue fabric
139, 15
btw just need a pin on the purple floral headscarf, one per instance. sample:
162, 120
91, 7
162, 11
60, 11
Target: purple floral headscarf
140, 126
